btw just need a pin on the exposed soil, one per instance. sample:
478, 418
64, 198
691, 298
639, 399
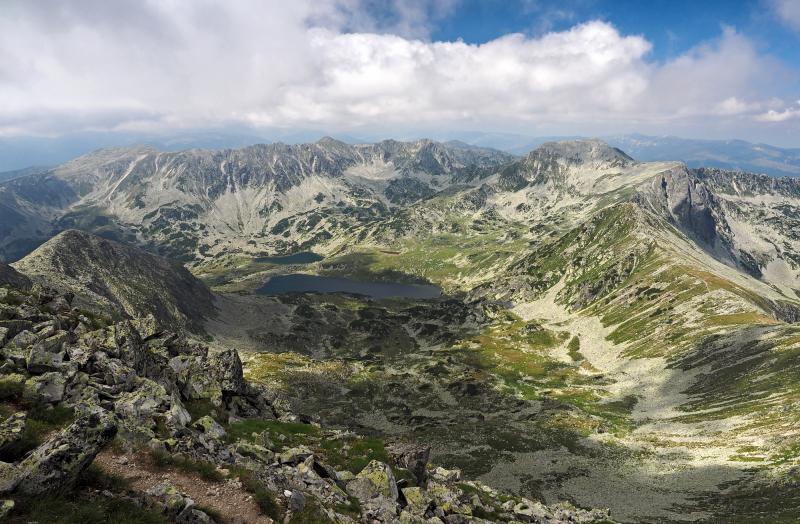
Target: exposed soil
228, 497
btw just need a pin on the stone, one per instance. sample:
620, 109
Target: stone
169, 499
9, 477
294, 456
254, 451
417, 500
143, 404
297, 501
210, 427
11, 430
446, 475
376, 490
6, 507
412, 457
48, 354
194, 516
48, 388
227, 367
178, 416
530, 511
147, 326
58, 462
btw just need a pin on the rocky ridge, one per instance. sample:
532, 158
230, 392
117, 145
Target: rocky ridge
120, 280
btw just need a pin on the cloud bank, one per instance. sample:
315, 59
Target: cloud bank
172, 64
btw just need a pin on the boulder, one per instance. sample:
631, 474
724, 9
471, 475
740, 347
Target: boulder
417, 500
48, 388
171, 501
176, 505
6, 507
139, 408
446, 475
47, 354
9, 477
57, 463
11, 430
413, 457
178, 416
210, 427
294, 456
254, 451
227, 367
376, 490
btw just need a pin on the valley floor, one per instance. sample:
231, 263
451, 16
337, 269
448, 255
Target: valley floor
512, 400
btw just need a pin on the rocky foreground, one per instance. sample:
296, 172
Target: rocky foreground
74, 386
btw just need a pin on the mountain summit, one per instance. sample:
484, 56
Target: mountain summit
116, 278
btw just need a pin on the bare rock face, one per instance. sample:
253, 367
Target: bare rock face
57, 463
125, 279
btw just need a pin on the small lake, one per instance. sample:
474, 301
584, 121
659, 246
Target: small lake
297, 283
305, 257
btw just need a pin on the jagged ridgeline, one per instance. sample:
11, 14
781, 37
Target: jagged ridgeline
611, 334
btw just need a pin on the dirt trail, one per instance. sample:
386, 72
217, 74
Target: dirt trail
227, 497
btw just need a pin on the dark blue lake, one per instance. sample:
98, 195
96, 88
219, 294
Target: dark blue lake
305, 257
297, 283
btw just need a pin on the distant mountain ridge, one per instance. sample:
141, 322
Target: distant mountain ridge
198, 205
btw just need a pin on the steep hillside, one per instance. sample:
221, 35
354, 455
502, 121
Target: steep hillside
116, 278
13, 278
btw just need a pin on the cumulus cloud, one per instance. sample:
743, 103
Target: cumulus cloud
152, 64
788, 113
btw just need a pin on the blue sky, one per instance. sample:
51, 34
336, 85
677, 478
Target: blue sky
703, 69
673, 26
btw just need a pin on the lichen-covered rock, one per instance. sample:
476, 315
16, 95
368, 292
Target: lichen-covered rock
178, 416
11, 430
47, 354
417, 500
6, 507
376, 490
9, 477
446, 475
227, 367
210, 427
142, 404
294, 456
248, 449
48, 388
58, 462
412, 457
170, 499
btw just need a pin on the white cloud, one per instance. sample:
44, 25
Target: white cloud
789, 113
788, 11
152, 64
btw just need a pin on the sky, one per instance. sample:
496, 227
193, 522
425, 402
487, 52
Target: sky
701, 69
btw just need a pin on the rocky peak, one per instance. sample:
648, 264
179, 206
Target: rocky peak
587, 153
129, 281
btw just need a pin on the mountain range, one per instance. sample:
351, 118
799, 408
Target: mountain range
612, 332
